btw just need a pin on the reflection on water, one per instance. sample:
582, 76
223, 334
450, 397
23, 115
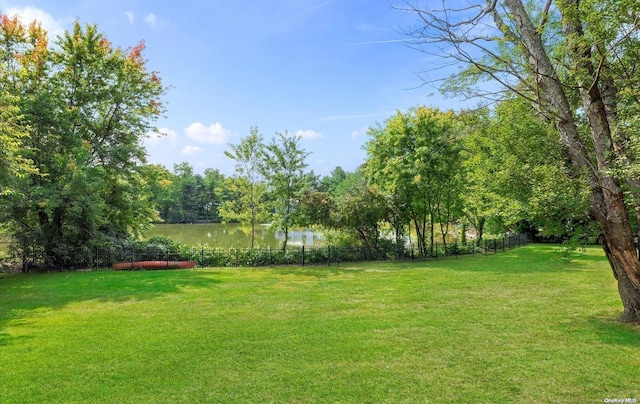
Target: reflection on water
226, 236
307, 238
232, 235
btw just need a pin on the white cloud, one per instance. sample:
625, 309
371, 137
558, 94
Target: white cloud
162, 136
192, 150
214, 134
308, 134
28, 14
130, 17
360, 132
151, 20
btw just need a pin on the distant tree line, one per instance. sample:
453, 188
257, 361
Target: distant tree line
75, 178
429, 176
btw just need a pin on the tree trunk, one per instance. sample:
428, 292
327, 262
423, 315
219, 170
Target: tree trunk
253, 232
286, 239
608, 207
480, 227
628, 293
621, 144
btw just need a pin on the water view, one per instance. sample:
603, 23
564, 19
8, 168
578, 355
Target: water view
224, 236
233, 235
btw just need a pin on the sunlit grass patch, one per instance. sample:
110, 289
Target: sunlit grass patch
515, 327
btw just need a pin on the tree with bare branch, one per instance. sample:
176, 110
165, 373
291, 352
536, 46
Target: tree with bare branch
577, 62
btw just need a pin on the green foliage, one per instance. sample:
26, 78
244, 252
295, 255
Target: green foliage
13, 164
574, 247
246, 189
340, 238
576, 63
516, 173
183, 196
316, 208
283, 165
86, 106
414, 159
331, 182
360, 211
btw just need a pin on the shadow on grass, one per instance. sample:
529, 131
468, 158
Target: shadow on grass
533, 258
320, 272
23, 294
615, 333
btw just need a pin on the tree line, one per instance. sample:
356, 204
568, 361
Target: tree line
555, 152
76, 178
428, 175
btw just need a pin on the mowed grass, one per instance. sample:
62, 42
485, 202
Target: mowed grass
520, 326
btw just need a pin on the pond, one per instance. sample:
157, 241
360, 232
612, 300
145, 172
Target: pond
233, 235
224, 236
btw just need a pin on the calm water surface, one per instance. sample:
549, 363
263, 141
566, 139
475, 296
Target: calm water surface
224, 236
232, 235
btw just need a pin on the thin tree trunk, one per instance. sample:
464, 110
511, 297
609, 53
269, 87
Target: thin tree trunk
286, 239
480, 227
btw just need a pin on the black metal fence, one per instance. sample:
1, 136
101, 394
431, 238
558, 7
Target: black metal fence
252, 257
330, 255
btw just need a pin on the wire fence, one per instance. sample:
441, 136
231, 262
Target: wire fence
151, 256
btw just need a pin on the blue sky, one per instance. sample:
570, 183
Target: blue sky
326, 70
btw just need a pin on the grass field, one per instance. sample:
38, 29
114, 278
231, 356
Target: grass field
520, 326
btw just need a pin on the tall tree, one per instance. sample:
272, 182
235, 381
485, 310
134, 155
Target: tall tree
13, 164
516, 176
331, 182
161, 186
87, 107
576, 62
412, 158
188, 189
214, 193
284, 162
360, 209
247, 185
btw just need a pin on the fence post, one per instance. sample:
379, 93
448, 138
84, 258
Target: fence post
303, 255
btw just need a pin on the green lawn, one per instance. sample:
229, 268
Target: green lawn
520, 326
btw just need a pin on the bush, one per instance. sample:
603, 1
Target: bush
572, 248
